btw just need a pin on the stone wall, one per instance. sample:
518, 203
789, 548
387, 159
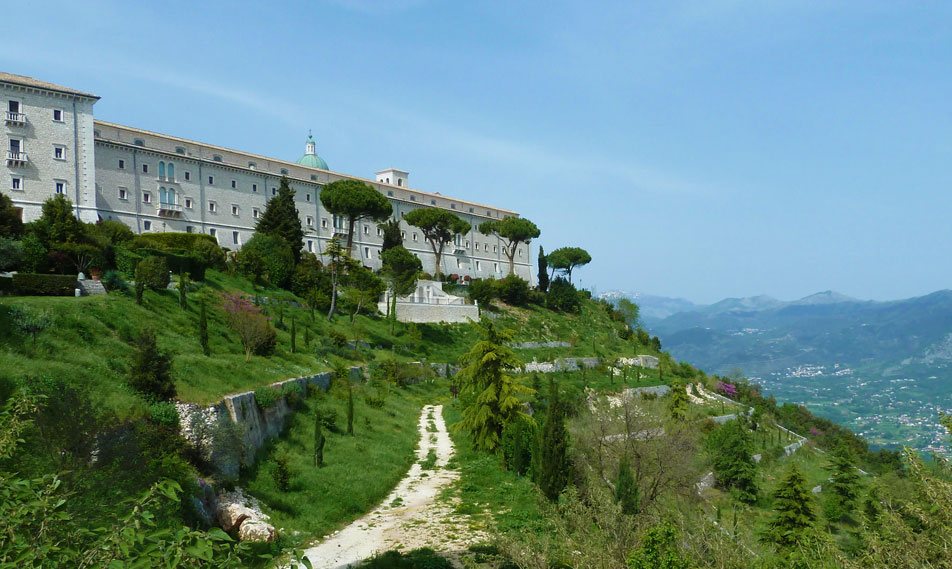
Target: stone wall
232, 431
435, 313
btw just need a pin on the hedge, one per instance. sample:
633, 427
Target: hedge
197, 245
6, 285
126, 262
29, 284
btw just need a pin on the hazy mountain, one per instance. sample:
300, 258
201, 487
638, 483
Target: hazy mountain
761, 335
653, 308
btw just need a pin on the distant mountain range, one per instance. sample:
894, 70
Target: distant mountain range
761, 334
882, 368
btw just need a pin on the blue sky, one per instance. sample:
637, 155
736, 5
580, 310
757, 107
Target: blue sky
696, 149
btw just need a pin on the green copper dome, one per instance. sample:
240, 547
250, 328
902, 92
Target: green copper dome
310, 158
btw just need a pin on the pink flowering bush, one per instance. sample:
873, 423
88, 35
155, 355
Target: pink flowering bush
727, 389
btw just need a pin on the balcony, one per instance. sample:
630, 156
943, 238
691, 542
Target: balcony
16, 159
16, 119
166, 209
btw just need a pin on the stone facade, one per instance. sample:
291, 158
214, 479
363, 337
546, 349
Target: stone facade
157, 183
430, 304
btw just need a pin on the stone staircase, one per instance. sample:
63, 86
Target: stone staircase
91, 287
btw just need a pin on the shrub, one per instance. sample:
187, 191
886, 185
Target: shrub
11, 254
513, 290
282, 470
328, 418
113, 282
153, 272
256, 334
164, 413
151, 372
293, 393
33, 257
268, 258
6, 285
518, 440
562, 297
482, 291
44, 285
267, 397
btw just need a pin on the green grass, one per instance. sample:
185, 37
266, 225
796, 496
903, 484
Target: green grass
359, 471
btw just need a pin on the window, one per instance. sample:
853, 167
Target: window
16, 183
123, 194
432, 202
146, 197
367, 253
234, 184
470, 210
189, 229
180, 150
171, 172
366, 230
284, 171
255, 212
414, 236
520, 252
211, 180
216, 157
452, 206
145, 168
458, 264
403, 234
252, 165
58, 115
478, 268
234, 237
161, 170
274, 191
59, 152
138, 142
379, 232
234, 209
390, 193
496, 267
147, 225
477, 246
307, 196
412, 198
495, 249
188, 176
214, 233
310, 246
323, 223
254, 187
489, 213
310, 221
400, 182
313, 177
338, 222
212, 207
188, 203
122, 164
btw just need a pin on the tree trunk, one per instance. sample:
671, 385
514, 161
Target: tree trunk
511, 253
351, 223
330, 313
438, 253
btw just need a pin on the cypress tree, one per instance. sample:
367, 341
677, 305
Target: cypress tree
793, 511
543, 271
554, 463
151, 370
203, 330
678, 405
281, 218
293, 336
350, 407
731, 451
626, 490
319, 441
140, 289
183, 290
307, 337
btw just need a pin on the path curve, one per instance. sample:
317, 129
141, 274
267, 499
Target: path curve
401, 521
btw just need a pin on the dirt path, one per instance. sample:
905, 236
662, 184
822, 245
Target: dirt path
411, 516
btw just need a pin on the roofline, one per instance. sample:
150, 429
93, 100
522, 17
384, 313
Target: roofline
295, 164
61, 90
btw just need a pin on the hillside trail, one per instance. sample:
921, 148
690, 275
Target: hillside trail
411, 516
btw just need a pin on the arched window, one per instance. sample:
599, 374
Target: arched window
161, 170
172, 197
162, 193
171, 171
400, 182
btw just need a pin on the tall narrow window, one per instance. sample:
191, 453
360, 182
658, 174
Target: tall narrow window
161, 170
163, 198
171, 172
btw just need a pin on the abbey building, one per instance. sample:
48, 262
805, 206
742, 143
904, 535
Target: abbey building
158, 183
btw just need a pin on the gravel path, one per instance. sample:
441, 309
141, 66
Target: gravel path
410, 517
